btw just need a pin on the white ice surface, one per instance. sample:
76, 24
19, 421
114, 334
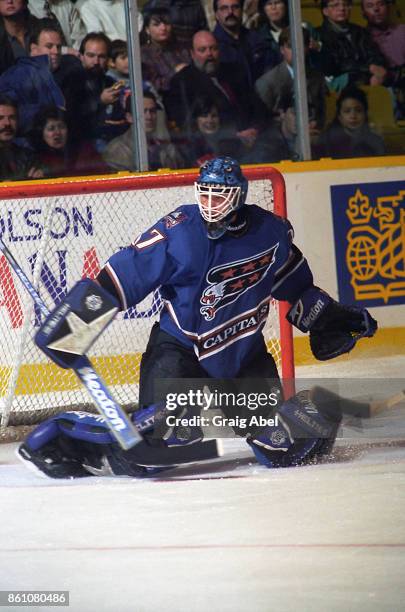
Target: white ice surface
232, 536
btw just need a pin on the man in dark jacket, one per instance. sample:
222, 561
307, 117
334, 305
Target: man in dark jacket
207, 77
96, 93
30, 83
279, 81
16, 24
238, 45
16, 162
347, 51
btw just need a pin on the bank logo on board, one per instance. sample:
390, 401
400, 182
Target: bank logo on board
369, 227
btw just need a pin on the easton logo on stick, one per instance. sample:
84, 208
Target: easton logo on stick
228, 282
90, 379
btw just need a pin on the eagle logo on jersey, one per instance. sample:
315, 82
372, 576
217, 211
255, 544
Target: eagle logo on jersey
228, 282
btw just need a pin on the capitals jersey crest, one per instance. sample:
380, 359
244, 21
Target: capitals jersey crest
226, 283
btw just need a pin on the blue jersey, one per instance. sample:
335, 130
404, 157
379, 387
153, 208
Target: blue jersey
216, 293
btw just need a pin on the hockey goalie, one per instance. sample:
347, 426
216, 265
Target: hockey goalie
217, 263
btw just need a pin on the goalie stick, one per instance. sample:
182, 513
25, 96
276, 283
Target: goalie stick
354, 408
116, 419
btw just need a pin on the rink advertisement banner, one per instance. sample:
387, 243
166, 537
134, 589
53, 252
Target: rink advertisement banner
369, 232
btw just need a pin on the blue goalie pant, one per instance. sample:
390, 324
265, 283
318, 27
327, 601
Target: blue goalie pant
302, 433
166, 358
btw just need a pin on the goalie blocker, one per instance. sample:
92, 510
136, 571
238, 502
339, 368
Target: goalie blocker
76, 323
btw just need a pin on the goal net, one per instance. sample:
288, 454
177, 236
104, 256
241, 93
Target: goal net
62, 231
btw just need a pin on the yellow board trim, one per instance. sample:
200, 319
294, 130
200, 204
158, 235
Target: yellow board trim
286, 167
48, 377
327, 164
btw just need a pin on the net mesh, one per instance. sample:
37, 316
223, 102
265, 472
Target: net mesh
56, 241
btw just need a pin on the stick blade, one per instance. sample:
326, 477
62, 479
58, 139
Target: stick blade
381, 405
334, 402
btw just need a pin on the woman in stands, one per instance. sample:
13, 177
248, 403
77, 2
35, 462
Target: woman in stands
59, 156
273, 17
209, 138
349, 135
161, 55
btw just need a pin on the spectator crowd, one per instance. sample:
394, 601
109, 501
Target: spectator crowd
218, 78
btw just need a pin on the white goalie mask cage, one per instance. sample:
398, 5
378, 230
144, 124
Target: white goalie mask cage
216, 202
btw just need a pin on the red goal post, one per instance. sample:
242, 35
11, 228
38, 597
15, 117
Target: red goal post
62, 230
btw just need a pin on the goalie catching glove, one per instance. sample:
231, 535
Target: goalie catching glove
333, 328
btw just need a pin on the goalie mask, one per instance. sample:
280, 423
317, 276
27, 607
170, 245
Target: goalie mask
220, 191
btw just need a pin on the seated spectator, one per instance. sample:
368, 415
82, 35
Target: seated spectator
161, 55
162, 130
240, 110
209, 138
17, 163
348, 55
349, 135
117, 76
99, 93
118, 66
16, 23
390, 39
273, 19
58, 155
279, 141
187, 17
68, 17
238, 45
119, 153
278, 82
30, 83
250, 14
